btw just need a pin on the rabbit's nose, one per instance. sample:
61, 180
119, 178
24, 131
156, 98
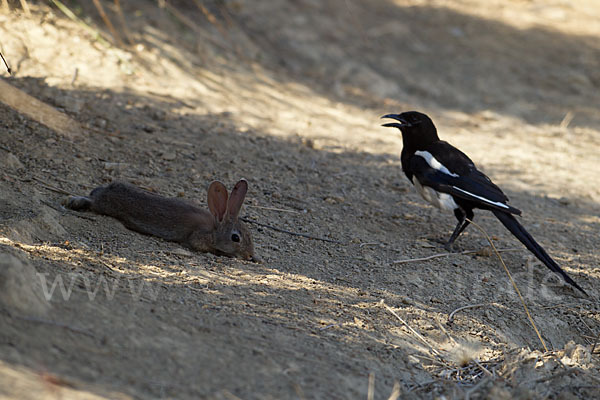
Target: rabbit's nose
256, 259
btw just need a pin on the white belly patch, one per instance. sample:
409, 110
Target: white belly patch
443, 201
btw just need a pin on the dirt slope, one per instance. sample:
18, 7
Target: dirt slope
289, 95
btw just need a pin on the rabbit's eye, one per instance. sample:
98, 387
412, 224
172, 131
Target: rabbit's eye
235, 237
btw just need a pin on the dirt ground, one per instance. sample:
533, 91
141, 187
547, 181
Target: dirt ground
288, 95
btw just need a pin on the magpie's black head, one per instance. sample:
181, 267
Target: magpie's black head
417, 128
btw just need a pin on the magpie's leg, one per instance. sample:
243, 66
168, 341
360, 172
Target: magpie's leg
462, 216
470, 216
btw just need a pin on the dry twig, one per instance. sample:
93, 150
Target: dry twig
71, 15
595, 343
564, 124
369, 244
513, 284
479, 252
25, 7
274, 209
107, 265
451, 316
191, 24
414, 332
107, 22
290, 232
482, 368
371, 389
5, 63
211, 18
50, 187
123, 22
38, 111
395, 391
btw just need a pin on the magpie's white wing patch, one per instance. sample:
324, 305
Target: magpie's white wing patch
488, 201
443, 188
434, 163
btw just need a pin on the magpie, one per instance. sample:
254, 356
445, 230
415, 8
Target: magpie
449, 180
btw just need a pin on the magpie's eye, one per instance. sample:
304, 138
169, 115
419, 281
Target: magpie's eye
235, 237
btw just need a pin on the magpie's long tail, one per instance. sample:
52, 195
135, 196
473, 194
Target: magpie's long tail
511, 223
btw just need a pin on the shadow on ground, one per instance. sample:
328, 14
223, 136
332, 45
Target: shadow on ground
417, 56
310, 315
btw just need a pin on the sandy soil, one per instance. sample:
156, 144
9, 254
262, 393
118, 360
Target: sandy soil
289, 95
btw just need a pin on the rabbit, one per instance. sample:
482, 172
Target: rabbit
217, 231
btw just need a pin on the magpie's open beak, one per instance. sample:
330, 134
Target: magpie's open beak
403, 123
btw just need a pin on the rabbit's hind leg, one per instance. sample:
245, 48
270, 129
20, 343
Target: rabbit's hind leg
77, 203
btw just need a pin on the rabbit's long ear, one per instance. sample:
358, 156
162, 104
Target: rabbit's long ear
238, 194
217, 199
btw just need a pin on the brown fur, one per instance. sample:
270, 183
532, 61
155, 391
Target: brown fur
175, 220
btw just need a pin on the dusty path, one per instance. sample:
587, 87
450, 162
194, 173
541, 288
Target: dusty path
288, 95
